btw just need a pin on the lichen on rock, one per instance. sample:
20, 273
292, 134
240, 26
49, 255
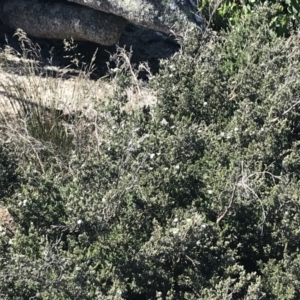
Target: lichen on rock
161, 15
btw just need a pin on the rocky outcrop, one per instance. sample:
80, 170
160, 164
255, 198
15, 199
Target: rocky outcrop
99, 21
165, 16
59, 20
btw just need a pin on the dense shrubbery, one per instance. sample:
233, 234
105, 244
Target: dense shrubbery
220, 14
8, 174
194, 198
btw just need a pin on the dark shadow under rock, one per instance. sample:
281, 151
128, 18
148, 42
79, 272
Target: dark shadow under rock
147, 46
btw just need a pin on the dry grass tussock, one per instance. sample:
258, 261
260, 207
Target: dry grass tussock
24, 84
38, 102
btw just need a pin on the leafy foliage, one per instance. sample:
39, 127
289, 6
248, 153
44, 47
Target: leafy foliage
284, 17
196, 197
8, 171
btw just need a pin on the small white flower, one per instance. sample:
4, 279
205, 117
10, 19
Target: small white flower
152, 155
204, 225
103, 199
175, 220
197, 216
209, 192
236, 129
198, 243
222, 133
228, 136
25, 202
175, 231
177, 167
204, 103
166, 169
77, 268
79, 222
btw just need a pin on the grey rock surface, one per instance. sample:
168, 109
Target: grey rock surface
161, 15
59, 20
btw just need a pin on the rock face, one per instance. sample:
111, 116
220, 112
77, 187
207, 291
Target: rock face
59, 20
160, 15
99, 21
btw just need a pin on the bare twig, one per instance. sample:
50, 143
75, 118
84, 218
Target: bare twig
219, 219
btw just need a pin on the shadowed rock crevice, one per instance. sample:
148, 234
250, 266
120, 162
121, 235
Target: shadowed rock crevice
48, 22
147, 46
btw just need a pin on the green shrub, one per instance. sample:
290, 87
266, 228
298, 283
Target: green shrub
220, 14
194, 198
242, 88
8, 171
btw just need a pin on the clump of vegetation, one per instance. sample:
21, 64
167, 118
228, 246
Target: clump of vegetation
222, 13
8, 173
196, 197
